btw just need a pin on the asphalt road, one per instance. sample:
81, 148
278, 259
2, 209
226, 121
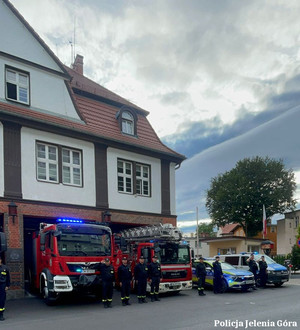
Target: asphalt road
184, 311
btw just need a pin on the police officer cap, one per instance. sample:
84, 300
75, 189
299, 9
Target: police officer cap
124, 258
106, 259
155, 257
217, 257
201, 258
141, 257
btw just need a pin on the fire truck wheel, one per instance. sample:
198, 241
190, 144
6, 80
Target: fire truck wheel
49, 297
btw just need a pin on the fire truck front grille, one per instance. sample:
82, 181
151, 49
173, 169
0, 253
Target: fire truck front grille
174, 274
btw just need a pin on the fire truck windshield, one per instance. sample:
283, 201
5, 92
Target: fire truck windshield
174, 254
75, 240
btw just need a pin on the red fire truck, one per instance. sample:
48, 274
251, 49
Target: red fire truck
63, 257
174, 255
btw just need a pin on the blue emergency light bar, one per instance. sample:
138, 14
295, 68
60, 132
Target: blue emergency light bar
64, 220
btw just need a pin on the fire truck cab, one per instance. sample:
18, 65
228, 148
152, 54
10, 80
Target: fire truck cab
65, 255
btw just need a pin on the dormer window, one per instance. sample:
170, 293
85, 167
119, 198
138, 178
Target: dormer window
127, 121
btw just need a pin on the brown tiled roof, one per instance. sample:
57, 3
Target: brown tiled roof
227, 229
87, 85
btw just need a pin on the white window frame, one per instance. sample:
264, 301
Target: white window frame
142, 181
18, 83
125, 176
127, 123
72, 167
47, 161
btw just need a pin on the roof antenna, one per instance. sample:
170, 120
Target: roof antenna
74, 38
72, 56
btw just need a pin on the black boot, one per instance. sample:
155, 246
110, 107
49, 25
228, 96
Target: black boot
201, 293
152, 298
156, 298
140, 301
2, 317
144, 301
109, 304
105, 304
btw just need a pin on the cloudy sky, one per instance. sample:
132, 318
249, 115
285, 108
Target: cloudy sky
220, 78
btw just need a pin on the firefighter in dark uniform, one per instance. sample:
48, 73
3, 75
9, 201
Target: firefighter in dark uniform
125, 277
108, 278
218, 275
253, 268
4, 285
263, 272
140, 276
201, 274
155, 276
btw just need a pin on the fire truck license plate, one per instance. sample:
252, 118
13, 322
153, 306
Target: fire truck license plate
88, 271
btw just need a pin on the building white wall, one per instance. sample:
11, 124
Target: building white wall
123, 201
51, 192
1, 162
172, 189
18, 41
48, 92
287, 233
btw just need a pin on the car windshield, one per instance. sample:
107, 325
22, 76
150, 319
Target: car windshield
226, 266
83, 241
174, 254
268, 260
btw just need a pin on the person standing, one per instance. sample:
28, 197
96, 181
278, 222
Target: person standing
108, 278
218, 275
253, 268
141, 275
263, 272
4, 285
125, 277
201, 274
155, 276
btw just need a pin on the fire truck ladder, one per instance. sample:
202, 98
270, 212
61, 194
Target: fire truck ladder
162, 231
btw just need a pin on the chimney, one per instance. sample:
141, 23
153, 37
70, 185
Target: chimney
78, 64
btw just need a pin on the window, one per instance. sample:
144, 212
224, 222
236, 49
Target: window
127, 123
232, 260
17, 86
231, 250
71, 167
133, 178
127, 119
253, 248
125, 177
47, 162
53, 160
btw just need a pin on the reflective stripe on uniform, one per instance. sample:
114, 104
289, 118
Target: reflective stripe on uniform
2, 309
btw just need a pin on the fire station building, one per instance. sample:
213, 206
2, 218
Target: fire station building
70, 148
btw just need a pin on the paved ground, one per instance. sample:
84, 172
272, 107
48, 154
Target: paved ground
184, 311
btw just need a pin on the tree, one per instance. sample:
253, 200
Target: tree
206, 229
238, 195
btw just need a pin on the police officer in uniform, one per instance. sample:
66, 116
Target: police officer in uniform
201, 274
4, 285
108, 278
155, 276
218, 275
263, 273
253, 268
141, 275
125, 277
